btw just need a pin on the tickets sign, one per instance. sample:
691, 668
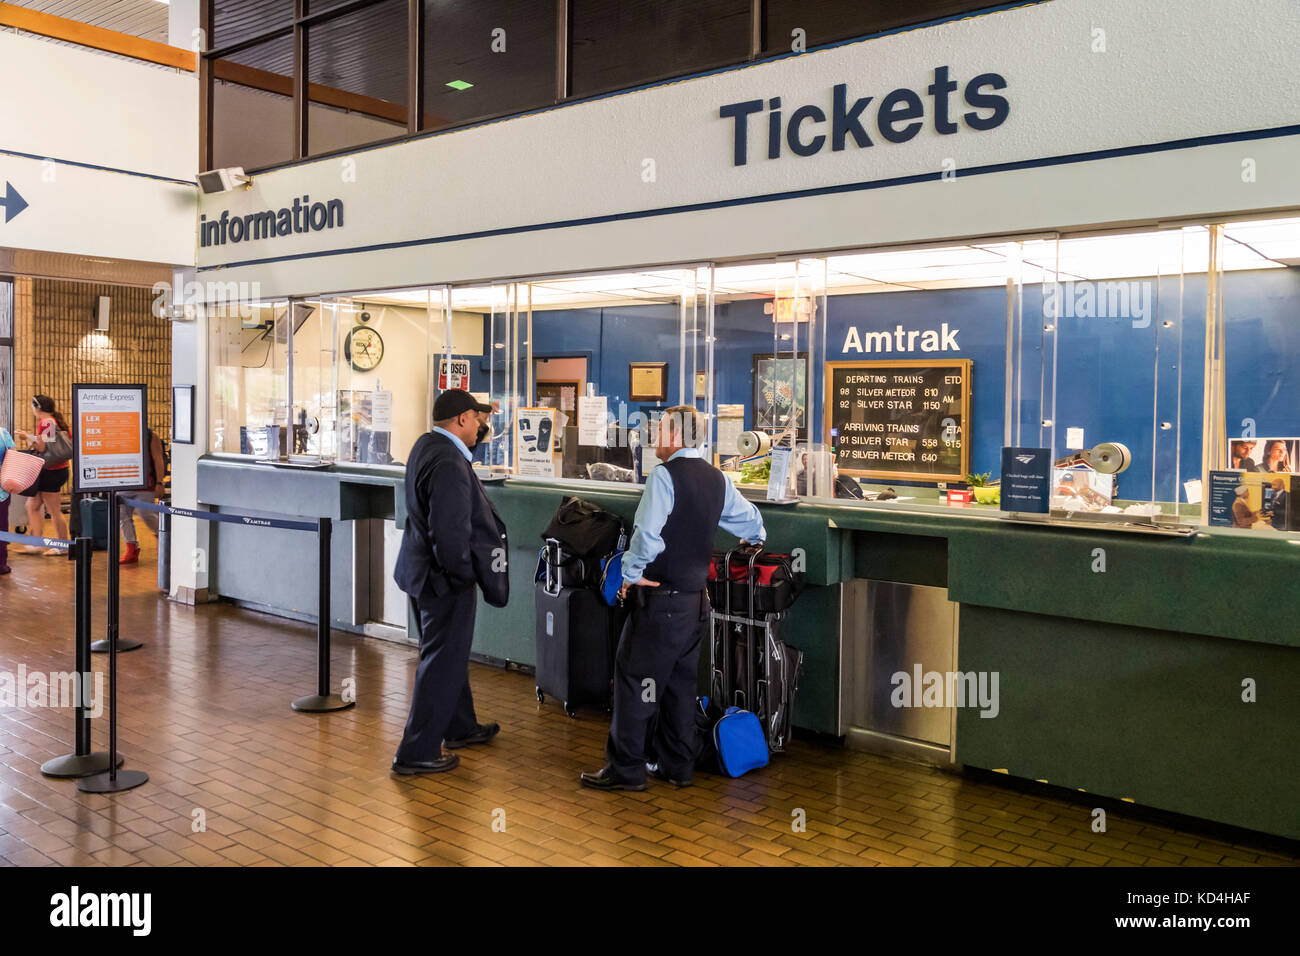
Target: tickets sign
108, 438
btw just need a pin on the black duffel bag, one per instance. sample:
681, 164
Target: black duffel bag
586, 533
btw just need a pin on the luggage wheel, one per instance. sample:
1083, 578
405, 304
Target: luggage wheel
571, 711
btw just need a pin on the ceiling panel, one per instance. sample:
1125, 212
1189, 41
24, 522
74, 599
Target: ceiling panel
137, 18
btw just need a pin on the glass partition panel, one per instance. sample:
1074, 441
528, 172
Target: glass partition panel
1111, 393
581, 367
1257, 459
498, 369
315, 382
248, 358
382, 353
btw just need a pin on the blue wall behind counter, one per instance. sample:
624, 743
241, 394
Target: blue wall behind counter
1118, 378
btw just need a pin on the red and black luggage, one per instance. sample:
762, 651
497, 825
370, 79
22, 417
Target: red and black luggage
750, 665
769, 579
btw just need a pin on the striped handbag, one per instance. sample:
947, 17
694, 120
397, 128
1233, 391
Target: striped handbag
19, 471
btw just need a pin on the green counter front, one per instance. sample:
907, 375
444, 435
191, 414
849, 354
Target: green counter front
1161, 670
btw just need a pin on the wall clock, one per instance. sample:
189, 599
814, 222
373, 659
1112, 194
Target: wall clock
363, 348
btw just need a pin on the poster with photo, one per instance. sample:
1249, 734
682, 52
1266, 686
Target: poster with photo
1255, 500
781, 393
1271, 455
535, 441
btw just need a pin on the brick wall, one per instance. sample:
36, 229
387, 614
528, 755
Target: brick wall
55, 344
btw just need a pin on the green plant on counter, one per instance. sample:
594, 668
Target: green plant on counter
979, 481
756, 472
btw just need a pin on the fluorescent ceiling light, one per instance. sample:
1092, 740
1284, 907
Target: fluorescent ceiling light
1264, 244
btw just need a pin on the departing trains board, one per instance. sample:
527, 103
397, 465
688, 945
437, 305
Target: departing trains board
903, 419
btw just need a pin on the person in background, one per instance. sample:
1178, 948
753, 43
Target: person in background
1242, 516
46, 492
1281, 505
666, 567
155, 474
6, 442
439, 565
1275, 457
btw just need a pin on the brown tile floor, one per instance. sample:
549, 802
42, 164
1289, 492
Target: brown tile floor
205, 711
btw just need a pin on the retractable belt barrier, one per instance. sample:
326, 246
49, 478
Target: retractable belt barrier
10, 538
99, 771
246, 520
322, 701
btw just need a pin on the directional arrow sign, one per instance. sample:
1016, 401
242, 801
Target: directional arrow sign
12, 202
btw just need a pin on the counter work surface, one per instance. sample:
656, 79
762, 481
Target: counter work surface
1218, 583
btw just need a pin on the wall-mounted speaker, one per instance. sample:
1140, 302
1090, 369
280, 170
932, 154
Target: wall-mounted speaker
101, 317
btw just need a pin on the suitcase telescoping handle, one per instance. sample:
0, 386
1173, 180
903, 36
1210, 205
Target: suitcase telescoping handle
552, 586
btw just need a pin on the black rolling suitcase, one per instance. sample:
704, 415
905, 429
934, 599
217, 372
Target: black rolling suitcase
577, 635
751, 667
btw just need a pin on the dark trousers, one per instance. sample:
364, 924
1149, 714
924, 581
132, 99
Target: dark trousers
4, 526
441, 703
661, 642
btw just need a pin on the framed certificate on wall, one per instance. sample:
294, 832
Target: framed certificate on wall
182, 414
648, 381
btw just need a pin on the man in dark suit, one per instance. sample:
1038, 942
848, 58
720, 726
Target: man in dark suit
1279, 511
454, 540
666, 568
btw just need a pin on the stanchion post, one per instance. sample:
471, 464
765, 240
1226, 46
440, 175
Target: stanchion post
165, 551
322, 701
111, 781
81, 762
119, 643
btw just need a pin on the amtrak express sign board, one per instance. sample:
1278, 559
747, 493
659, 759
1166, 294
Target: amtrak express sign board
108, 442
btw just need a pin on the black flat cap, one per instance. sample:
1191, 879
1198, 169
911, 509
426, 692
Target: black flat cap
453, 402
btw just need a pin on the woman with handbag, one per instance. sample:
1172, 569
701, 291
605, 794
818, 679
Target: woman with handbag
53, 443
6, 442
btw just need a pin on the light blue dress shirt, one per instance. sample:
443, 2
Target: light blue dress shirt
457, 442
739, 517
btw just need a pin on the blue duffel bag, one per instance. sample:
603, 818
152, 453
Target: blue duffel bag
740, 742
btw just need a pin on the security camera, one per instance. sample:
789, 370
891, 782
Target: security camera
223, 180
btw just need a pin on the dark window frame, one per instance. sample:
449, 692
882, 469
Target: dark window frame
415, 129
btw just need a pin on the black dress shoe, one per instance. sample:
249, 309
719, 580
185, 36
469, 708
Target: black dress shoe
605, 780
675, 781
443, 763
481, 734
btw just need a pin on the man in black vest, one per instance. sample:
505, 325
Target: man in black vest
453, 540
666, 568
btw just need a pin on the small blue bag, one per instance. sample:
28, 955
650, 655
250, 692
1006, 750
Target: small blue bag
611, 578
740, 742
